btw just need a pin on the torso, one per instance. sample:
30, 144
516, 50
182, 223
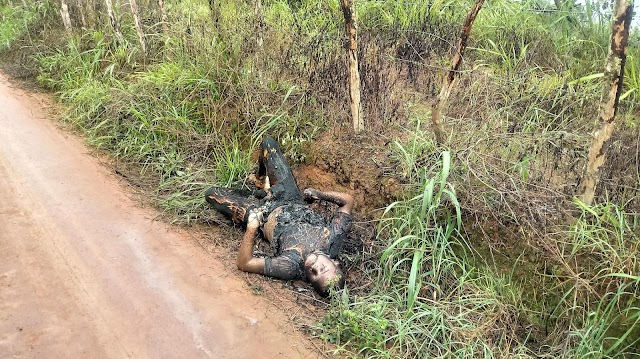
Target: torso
296, 227
270, 225
295, 231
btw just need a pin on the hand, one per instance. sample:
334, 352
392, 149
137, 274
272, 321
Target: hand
310, 194
267, 184
255, 219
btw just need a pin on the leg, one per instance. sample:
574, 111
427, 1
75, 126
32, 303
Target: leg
231, 203
275, 166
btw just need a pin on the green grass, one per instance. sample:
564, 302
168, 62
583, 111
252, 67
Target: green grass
189, 114
14, 22
425, 300
432, 296
175, 119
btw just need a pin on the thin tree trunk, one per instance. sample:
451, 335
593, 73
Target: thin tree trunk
456, 62
113, 20
64, 12
613, 79
163, 17
96, 14
259, 22
83, 19
348, 10
136, 21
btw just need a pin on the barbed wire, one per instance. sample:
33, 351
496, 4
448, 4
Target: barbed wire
485, 7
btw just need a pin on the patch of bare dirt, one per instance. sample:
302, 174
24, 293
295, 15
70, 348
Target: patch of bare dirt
358, 164
85, 271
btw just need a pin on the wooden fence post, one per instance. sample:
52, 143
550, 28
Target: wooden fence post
136, 21
113, 20
64, 12
163, 17
348, 10
436, 113
613, 79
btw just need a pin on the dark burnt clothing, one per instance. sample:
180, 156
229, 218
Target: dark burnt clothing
273, 164
293, 228
297, 232
236, 204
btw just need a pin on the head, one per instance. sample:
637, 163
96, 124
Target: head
324, 273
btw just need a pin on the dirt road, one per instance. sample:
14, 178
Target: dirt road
86, 273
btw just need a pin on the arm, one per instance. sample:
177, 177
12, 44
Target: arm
282, 267
246, 261
343, 200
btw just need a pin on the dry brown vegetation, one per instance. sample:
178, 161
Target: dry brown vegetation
525, 271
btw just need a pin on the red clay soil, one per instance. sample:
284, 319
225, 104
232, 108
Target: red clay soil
87, 273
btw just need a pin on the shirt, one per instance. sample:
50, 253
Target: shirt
300, 231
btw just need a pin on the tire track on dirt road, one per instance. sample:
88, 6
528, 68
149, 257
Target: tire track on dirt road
85, 272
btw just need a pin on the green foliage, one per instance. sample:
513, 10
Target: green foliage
612, 328
421, 229
181, 195
85, 58
600, 297
188, 114
232, 164
632, 78
426, 301
605, 234
14, 21
401, 15
412, 155
363, 322
177, 119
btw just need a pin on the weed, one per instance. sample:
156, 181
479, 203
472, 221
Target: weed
600, 299
224, 74
14, 22
426, 300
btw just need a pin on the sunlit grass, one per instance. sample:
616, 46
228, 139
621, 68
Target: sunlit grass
14, 21
426, 301
190, 115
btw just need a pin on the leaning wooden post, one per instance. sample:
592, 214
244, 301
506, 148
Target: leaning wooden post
613, 79
113, 20
436, 113
348, 10
135, 11
64, 12
163, 17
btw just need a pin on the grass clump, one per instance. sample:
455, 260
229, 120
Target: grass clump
482, 254
600, 286
14, 22
183, 124
425, 299
431, 293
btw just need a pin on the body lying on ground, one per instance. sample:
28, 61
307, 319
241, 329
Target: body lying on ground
306, 246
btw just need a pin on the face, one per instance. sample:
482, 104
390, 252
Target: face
320, 268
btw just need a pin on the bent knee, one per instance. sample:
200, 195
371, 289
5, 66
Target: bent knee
269, 143
212, 195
